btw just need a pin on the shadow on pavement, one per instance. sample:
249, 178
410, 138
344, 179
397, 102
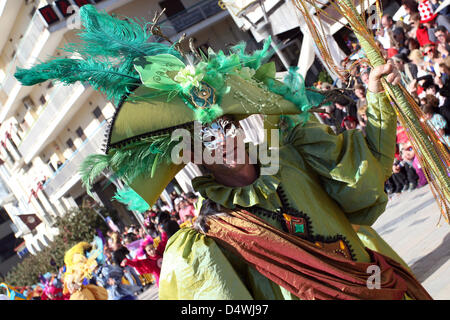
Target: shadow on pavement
427, 265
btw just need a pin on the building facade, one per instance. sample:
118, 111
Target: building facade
47, 130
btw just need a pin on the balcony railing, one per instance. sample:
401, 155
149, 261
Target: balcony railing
193, 15
59, 103
69, 169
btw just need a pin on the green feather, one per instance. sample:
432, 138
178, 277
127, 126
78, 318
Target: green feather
114, 81
208, 115
124, 38
131, 199
131, 161
91, 168
257, 58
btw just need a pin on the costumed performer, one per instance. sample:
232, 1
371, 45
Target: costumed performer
283, 235
79, 268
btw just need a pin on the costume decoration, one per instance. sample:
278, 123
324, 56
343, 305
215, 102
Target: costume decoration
12, 293
335, 172
172, 91
80, 262
431, 152
131, 199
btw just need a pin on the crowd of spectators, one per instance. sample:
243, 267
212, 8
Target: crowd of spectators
133, 256
417, 42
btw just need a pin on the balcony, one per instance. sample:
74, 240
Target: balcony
36, 44
193, 15
23, 52
61, 106
67, 175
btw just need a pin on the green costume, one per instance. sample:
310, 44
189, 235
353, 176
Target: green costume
325, 182
328, 181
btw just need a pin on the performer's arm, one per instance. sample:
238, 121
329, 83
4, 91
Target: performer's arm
381, 119
351, 167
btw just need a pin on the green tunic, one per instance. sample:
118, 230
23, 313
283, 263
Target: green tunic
330, 181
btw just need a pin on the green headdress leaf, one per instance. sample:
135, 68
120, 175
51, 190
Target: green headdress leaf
265, 72
153, 71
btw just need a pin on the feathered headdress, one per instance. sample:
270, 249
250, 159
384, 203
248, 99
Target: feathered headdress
116, 57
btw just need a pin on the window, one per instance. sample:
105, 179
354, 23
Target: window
80, 133
50, 85
98, 114
28, 103
42, 99
172, 7
50, 164
70, 144
32, 12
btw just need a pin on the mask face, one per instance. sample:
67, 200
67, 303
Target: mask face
217, 132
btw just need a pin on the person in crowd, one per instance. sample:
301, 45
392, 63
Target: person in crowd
115, 286
362, 118
437, 123
187, 211
385, 34
442, 41
349, 123
408, 155
398, 182
360, 93
343, 107
151, 264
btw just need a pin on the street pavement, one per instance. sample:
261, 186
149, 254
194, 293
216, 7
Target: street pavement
410, 226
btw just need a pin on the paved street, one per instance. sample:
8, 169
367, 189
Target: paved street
150, 294
409, 225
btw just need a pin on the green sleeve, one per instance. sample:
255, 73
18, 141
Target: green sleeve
352, 168
381, 130
194, 268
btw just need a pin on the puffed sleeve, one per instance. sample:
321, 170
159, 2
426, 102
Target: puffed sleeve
352, 168
194, 268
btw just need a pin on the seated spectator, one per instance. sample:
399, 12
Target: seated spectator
408, 71
385, 35
398, 182
409, 156
410, 7
437, 123
431, 57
